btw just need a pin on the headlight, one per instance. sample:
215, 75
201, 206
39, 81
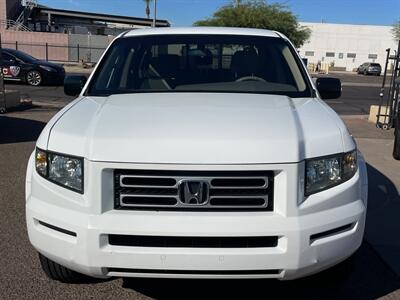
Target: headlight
47, 68
61, 169
324, 173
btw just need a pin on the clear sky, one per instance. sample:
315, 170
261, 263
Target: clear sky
185, 12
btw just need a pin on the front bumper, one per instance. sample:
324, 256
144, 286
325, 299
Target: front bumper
306, 243
53, 78
374, 72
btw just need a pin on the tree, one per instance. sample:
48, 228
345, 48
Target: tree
396, 31
259, 14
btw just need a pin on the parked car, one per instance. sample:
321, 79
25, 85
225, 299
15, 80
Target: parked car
196, 164
370, 69
20, 66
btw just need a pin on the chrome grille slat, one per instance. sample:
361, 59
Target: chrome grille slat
230, 190
149, 196
238, 188
122, 184
240, 197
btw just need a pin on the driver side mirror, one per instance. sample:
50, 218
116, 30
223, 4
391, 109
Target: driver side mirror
73, 85
329, 88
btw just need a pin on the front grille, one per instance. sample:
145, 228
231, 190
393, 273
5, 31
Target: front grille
193, 242
193, 190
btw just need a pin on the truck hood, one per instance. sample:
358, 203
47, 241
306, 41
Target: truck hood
199, 128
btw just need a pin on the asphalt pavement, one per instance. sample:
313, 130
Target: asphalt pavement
359, 93
373, 272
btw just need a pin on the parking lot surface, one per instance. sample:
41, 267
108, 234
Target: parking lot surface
359, 93
373, 272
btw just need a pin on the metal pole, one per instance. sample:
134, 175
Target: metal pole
155, 13
47, 52
2, 92
393, 95
380, 124
89, 52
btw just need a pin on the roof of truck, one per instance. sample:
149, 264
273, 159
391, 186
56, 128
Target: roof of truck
202, 30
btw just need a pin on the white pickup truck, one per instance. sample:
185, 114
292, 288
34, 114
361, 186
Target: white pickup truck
196, 153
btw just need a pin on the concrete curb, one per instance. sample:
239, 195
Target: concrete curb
363, 84
362, 117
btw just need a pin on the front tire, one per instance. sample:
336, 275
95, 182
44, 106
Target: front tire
34, 78
396, 150
57, 272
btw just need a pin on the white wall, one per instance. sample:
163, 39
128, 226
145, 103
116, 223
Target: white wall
345, 38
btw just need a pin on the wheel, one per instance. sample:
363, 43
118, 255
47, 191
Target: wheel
34, 78
396, 150
57, 272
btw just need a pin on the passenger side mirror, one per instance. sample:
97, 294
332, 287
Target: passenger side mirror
73, 85
329, 88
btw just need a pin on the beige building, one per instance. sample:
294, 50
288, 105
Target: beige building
347, 46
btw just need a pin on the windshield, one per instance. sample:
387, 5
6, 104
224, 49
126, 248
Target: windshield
200, 63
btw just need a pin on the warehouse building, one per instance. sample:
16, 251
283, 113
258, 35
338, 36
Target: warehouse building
345, 47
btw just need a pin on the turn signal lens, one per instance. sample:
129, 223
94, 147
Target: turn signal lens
64, 170
349, 165
41, 162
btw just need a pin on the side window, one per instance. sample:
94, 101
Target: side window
111, 77
7, 57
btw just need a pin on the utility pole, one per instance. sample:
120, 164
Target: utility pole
154, 13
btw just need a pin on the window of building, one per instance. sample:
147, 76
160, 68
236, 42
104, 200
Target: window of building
330, 54
372, 56
351, 55
309, 53
340, 55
